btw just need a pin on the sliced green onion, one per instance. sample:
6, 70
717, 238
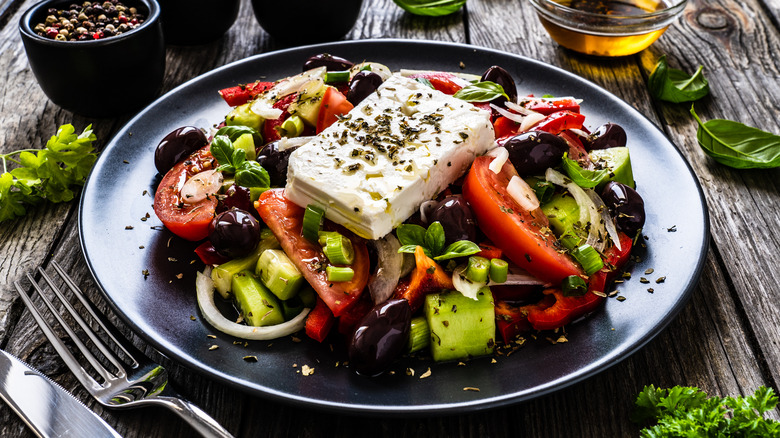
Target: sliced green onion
293, 126
337, 248
570, 240
588, 257
574, 286
499, 270
334, 77
477, 269
337, 274
419, 335
312, 222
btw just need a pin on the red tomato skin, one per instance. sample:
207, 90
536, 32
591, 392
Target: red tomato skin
334, 104
516, 231
561, 121
504, 127
445, 82
285, 219
209, 255
241, 94
548, 107
319, 321
270, 133
577, 151
188, 221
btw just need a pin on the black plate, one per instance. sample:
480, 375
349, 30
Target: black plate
162, 307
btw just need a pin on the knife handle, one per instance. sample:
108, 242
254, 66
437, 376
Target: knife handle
195, 416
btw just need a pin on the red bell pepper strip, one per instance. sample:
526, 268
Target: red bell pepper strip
241, 94
505, 127
445, 82
512, 320
319, 321
349, 320
270, 127
489, 251
549, 106
209, 255
567, 309
560, 121
427, 277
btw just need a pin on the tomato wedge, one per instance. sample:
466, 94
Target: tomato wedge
549, 106
516, 231
241, 94
188, 221
445, 82
334, 104
285, 219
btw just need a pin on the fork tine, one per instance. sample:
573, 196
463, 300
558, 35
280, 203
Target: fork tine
72, 363
90, 333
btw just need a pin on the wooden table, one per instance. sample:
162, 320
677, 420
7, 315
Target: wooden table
725, 341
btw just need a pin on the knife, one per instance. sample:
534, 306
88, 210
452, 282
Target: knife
47, 408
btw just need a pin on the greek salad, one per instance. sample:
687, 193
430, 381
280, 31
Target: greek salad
400, 212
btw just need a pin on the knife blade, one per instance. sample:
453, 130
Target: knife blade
47, 408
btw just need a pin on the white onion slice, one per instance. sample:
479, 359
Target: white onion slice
606, 218
375, 67
589, 212
263, 105
200, 186
519, 108
579, 132
501, 155
408, 265
389, 262
530, 121
518, 276
522, 193
205, 293
292, 142
426, 208
509, 115
465, 286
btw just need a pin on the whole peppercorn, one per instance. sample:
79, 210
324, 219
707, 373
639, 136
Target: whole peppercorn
89, 21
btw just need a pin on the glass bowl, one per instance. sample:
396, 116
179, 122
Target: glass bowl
607, 27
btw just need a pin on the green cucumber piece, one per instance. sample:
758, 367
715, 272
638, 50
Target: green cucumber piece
617, 161
222, 275
307, 105
563, 213
461, 328
258, 305
279, 274
247, 143
292, 307
243, 115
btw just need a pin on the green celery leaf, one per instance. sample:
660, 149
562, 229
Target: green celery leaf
673, 85
461, 248
737, 145
484, 91
431, 8
435, 238
411, 234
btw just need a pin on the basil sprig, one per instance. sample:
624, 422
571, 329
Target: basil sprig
484, 91
432, 241
234, 131
248, 173
737, 145
676, 86
430, 8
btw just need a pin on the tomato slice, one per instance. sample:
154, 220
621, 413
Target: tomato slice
334, 104
188, 221
577, 151
241, 94
504, 127
445, 82
285, 219
549, 106
518, 232
561, 121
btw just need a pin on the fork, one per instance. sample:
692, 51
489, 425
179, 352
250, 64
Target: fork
142, 382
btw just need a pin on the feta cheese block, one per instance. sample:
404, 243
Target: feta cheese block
401, 146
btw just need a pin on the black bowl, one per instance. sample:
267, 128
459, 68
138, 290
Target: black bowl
329, 20
98, 78
191, 22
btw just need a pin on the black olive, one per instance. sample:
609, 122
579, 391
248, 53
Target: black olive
176, 146
501, 77
275, 162
533, 152
456, 217
234, 233
608, 135
380, 337
361, 85
330, 62
626, 206
237, 197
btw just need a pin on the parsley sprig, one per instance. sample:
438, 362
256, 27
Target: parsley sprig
45, 174
688, 411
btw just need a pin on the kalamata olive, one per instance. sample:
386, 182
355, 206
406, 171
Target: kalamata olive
275, 162
533, 152
626, 205
237, 197
330, 62
176, 146
380, 337
608, 135
361, 85
456, 217
234, 233
501, 77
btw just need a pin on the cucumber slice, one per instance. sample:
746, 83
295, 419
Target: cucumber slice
279, 274
617, 161
461, 328
243, 115
562, 211
222, 275
247, 143
307, 105
258, 305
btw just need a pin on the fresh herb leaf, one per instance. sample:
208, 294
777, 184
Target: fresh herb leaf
676, 86
461, 248
583, 177
248, 173
234, 131
222, 149
484, 91
688, 411
432, 241
252, 174
46, 174
410, 234
434, 238
737, 145
426, 82
431, 8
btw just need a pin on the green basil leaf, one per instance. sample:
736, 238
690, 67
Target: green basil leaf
425, 82
737, 145
222, 149
234, 131
676, 86
410, 234
484, 91
434, 238
461, 248
409, 249
583, 177
238, 158
431, 8
252, 174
